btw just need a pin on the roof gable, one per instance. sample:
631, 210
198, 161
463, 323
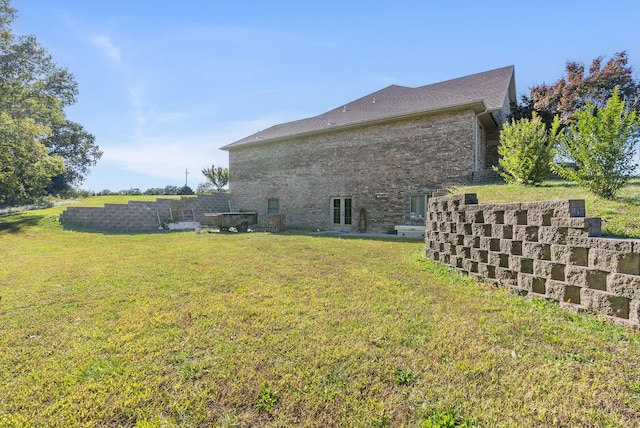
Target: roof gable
489, 90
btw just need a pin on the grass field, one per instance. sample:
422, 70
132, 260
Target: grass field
232, 330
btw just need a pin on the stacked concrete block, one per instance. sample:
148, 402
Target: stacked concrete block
546, 249
144, 215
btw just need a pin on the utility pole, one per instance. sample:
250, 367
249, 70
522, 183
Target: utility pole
186, 173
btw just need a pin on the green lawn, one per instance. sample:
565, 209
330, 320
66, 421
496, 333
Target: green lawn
179, 329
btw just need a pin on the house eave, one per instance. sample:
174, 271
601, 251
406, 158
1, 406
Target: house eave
477, 106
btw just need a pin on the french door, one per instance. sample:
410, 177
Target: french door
341, 214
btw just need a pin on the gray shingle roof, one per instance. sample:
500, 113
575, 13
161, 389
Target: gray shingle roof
489, 89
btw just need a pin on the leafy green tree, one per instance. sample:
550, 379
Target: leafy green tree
185, 190
154, 191
601, 142
170, 190
204, 188
25, 165
77, 147
33, 87
526, 150
218, 176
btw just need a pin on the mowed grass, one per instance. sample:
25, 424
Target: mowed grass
231, 330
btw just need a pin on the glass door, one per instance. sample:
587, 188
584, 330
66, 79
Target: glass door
341, 214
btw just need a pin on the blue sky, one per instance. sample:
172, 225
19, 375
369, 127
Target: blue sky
163, 85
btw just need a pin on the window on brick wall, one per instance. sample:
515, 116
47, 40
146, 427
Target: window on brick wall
273, 206
418, 206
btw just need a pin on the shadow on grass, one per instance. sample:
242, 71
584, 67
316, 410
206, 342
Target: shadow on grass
75, 227
557, 182
388, 237
631, 200
80, 227
615, 234
634, 199
322, 234
16, 225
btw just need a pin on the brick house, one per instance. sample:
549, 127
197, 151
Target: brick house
371, 164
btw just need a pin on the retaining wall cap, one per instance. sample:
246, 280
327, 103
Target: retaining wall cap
505, 206
610, 244
470, 199
465, 198
577, 222
562, 208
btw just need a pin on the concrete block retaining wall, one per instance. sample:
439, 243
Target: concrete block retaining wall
145, 215
546, 249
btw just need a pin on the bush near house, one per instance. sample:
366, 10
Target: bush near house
526, 149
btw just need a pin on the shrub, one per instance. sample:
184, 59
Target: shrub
526, 150
601, 143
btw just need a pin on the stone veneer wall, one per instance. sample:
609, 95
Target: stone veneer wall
545, 249
144, 215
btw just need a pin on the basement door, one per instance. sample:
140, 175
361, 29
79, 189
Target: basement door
341, 214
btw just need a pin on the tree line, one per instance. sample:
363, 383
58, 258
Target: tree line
584, 127
217, 180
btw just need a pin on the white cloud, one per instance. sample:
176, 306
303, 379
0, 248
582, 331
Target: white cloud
166, 159
167, 156
109, 49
